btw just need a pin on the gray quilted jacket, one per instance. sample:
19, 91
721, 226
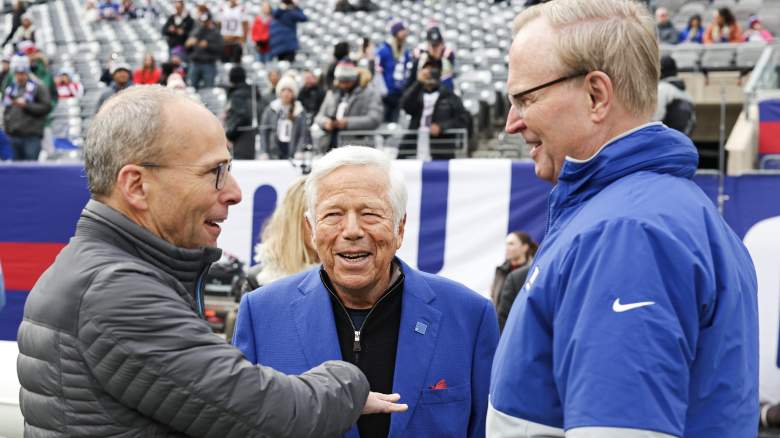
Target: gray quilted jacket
111, 345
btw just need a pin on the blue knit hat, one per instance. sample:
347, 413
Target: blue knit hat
396, 26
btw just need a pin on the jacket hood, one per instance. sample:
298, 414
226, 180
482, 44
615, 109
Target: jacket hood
649, 148
277, 106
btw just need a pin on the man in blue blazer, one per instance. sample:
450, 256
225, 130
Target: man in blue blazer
427, 338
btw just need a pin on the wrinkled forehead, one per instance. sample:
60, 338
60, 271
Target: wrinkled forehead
361, 180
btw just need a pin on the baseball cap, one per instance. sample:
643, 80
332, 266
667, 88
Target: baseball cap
433, 36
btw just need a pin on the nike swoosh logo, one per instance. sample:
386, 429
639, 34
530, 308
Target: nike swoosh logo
620, 308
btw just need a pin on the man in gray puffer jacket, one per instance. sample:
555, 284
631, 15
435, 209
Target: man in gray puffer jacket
113, 342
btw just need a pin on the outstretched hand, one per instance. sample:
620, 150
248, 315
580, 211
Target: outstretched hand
378, 403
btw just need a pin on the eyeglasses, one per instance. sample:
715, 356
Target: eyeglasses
221, 170
517, 99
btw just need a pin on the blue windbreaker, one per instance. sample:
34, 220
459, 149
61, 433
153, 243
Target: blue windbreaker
640, 309
394, 71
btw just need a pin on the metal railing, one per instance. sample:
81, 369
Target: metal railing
405, 143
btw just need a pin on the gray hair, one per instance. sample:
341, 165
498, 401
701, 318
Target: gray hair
357, 156
617, 37
126, 130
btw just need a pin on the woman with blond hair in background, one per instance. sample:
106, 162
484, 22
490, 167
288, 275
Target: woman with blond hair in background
285, 248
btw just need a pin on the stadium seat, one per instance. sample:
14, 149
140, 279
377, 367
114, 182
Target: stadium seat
718, 56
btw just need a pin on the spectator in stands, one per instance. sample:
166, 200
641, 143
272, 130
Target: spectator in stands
176, 81
261, 28
366, 57
239, 117
756, 32
272, 77
347, 107
19, 9
667, 34
394, 60
108, 10
173, 65
91, 13
25, 32
147, 10
177, 28
693, 32
39, 66
204, 50
340, 53
674, 106
26, 103
311, 95
148, 73
348, 6
108, 67
283, 32
434, 109
519, 250
639, 316
437, 54
120, 76
723, 29
234, 27
284, 130
514, 280
128, 10
67, 88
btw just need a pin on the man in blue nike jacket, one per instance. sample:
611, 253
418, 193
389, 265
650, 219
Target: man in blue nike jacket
638, 317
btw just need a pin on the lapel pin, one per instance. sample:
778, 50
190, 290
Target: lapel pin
420, 327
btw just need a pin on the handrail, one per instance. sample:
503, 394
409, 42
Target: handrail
758, 71
395, 138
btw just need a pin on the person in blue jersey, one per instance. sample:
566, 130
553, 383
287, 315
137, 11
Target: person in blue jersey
394, 62
638, 317
427, 338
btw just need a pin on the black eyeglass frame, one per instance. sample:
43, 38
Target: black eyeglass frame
222, 169
515, 98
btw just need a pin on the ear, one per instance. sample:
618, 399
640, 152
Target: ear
400, 234
131, 186
601, 95
310, 229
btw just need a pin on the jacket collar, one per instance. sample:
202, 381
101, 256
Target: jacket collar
185, 265
650, 148
417, 335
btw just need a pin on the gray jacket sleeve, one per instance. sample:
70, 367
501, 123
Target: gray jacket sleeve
267, 126
147, 348
370, 114
327, 109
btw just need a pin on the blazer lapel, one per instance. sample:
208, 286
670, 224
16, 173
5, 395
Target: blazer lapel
313, 315
416, 345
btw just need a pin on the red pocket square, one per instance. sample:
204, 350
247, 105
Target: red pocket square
441, 384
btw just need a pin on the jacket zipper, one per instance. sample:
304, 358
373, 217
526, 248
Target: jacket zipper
356, 349
199, 293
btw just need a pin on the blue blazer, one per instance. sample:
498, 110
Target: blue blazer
447, 332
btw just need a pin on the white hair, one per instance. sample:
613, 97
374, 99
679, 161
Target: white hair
357, 156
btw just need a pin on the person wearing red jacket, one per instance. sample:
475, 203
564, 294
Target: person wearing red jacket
260, 33
149, 73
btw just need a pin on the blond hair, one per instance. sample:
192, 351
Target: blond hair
616, 37
285, 248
